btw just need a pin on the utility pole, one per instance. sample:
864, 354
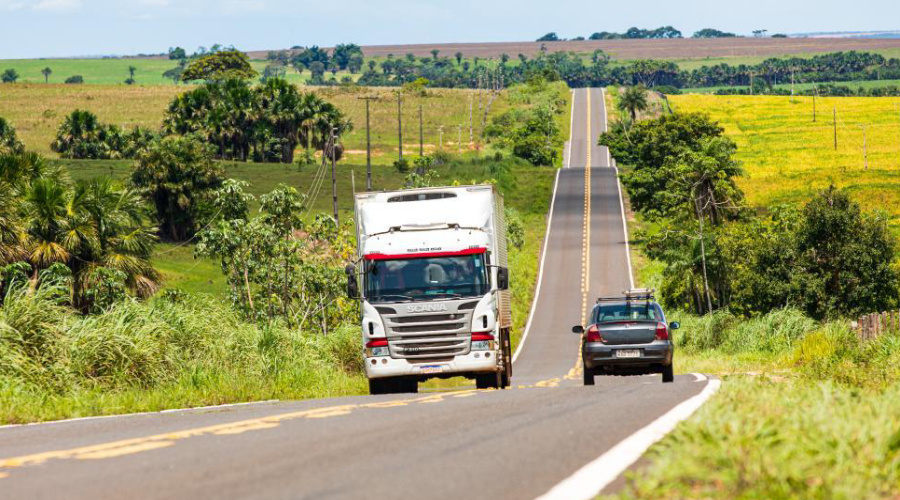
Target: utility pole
865, 151
815, 91
834, 122
459, 139
334, 176
792, 85
368, 145
751, 83
421, 135
399, 128
471, 98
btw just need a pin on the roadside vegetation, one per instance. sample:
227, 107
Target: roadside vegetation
766, 294
139, 283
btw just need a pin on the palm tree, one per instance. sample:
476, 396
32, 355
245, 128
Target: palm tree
78, 135
47, 72
633, 100
281, 106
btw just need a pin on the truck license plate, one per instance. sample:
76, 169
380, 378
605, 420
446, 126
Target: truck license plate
628, 353
431, 369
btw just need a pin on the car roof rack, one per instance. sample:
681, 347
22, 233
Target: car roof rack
632, 294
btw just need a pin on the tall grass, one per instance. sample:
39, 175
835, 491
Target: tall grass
177, 350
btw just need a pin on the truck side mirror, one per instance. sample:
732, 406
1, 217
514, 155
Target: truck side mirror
578, 329
502, 278
352, 283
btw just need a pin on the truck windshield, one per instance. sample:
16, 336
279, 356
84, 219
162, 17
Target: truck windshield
396, 280
627, 311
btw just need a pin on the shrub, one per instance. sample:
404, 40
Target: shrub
75, 79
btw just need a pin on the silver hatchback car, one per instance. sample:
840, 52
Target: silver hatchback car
627, 335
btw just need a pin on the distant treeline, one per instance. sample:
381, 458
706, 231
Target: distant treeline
635, 33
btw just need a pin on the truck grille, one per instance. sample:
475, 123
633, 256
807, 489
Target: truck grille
429, 337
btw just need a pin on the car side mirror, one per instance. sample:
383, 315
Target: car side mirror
674, 325
502, 278
578, 329
352, 283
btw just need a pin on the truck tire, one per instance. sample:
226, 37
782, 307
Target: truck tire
506, 349
488, 380
588, 375
668, 373
377, 386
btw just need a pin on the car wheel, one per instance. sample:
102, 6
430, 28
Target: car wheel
668, 373
588, 374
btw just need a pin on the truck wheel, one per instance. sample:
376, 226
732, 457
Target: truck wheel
668, 373
588, 375
488, 380
506, 376
377, 386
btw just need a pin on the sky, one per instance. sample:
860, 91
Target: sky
69, 28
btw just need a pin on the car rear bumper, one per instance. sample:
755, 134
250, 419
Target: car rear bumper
596, 355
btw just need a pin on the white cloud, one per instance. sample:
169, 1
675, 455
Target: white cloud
58, 5
6, 5
240, 6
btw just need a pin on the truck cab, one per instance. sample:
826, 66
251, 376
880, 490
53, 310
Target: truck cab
432, 280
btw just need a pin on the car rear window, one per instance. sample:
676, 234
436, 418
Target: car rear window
628, 311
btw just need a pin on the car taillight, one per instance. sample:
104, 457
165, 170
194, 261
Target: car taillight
593, 334
662, 333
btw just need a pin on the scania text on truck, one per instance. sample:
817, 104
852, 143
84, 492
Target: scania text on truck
431, 274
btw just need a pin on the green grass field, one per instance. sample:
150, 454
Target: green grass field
36, 110
788, 157
866, 84
113, 71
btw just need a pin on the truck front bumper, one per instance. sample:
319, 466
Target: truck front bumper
474, 362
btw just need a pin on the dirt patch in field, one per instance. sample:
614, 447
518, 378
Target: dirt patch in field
638, 49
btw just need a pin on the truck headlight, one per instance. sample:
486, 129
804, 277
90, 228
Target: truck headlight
377, 347
482, 342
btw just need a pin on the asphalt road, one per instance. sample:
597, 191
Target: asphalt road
511, 444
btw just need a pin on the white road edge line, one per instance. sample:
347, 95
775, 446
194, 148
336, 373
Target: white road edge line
699, 377
625, 229
537, 288
122, 415
590, 480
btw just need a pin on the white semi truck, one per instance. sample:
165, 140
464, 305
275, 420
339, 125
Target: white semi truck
431, 273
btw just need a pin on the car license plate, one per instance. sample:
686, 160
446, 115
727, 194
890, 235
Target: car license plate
431, 369
628, 353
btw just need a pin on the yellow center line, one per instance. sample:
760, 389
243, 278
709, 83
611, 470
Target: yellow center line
157, 441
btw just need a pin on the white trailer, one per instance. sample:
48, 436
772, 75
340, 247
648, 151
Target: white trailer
432, 277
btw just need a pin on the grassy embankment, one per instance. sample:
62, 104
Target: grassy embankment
806, 410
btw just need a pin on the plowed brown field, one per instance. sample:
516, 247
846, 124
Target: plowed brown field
640, 49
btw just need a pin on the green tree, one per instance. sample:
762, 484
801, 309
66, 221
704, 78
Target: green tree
47, 72
633, 100
219, 66
9, 76
549, 37
458, 56
177, 53
75, 79
648, 147
9, 143
178, 175
130, 80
